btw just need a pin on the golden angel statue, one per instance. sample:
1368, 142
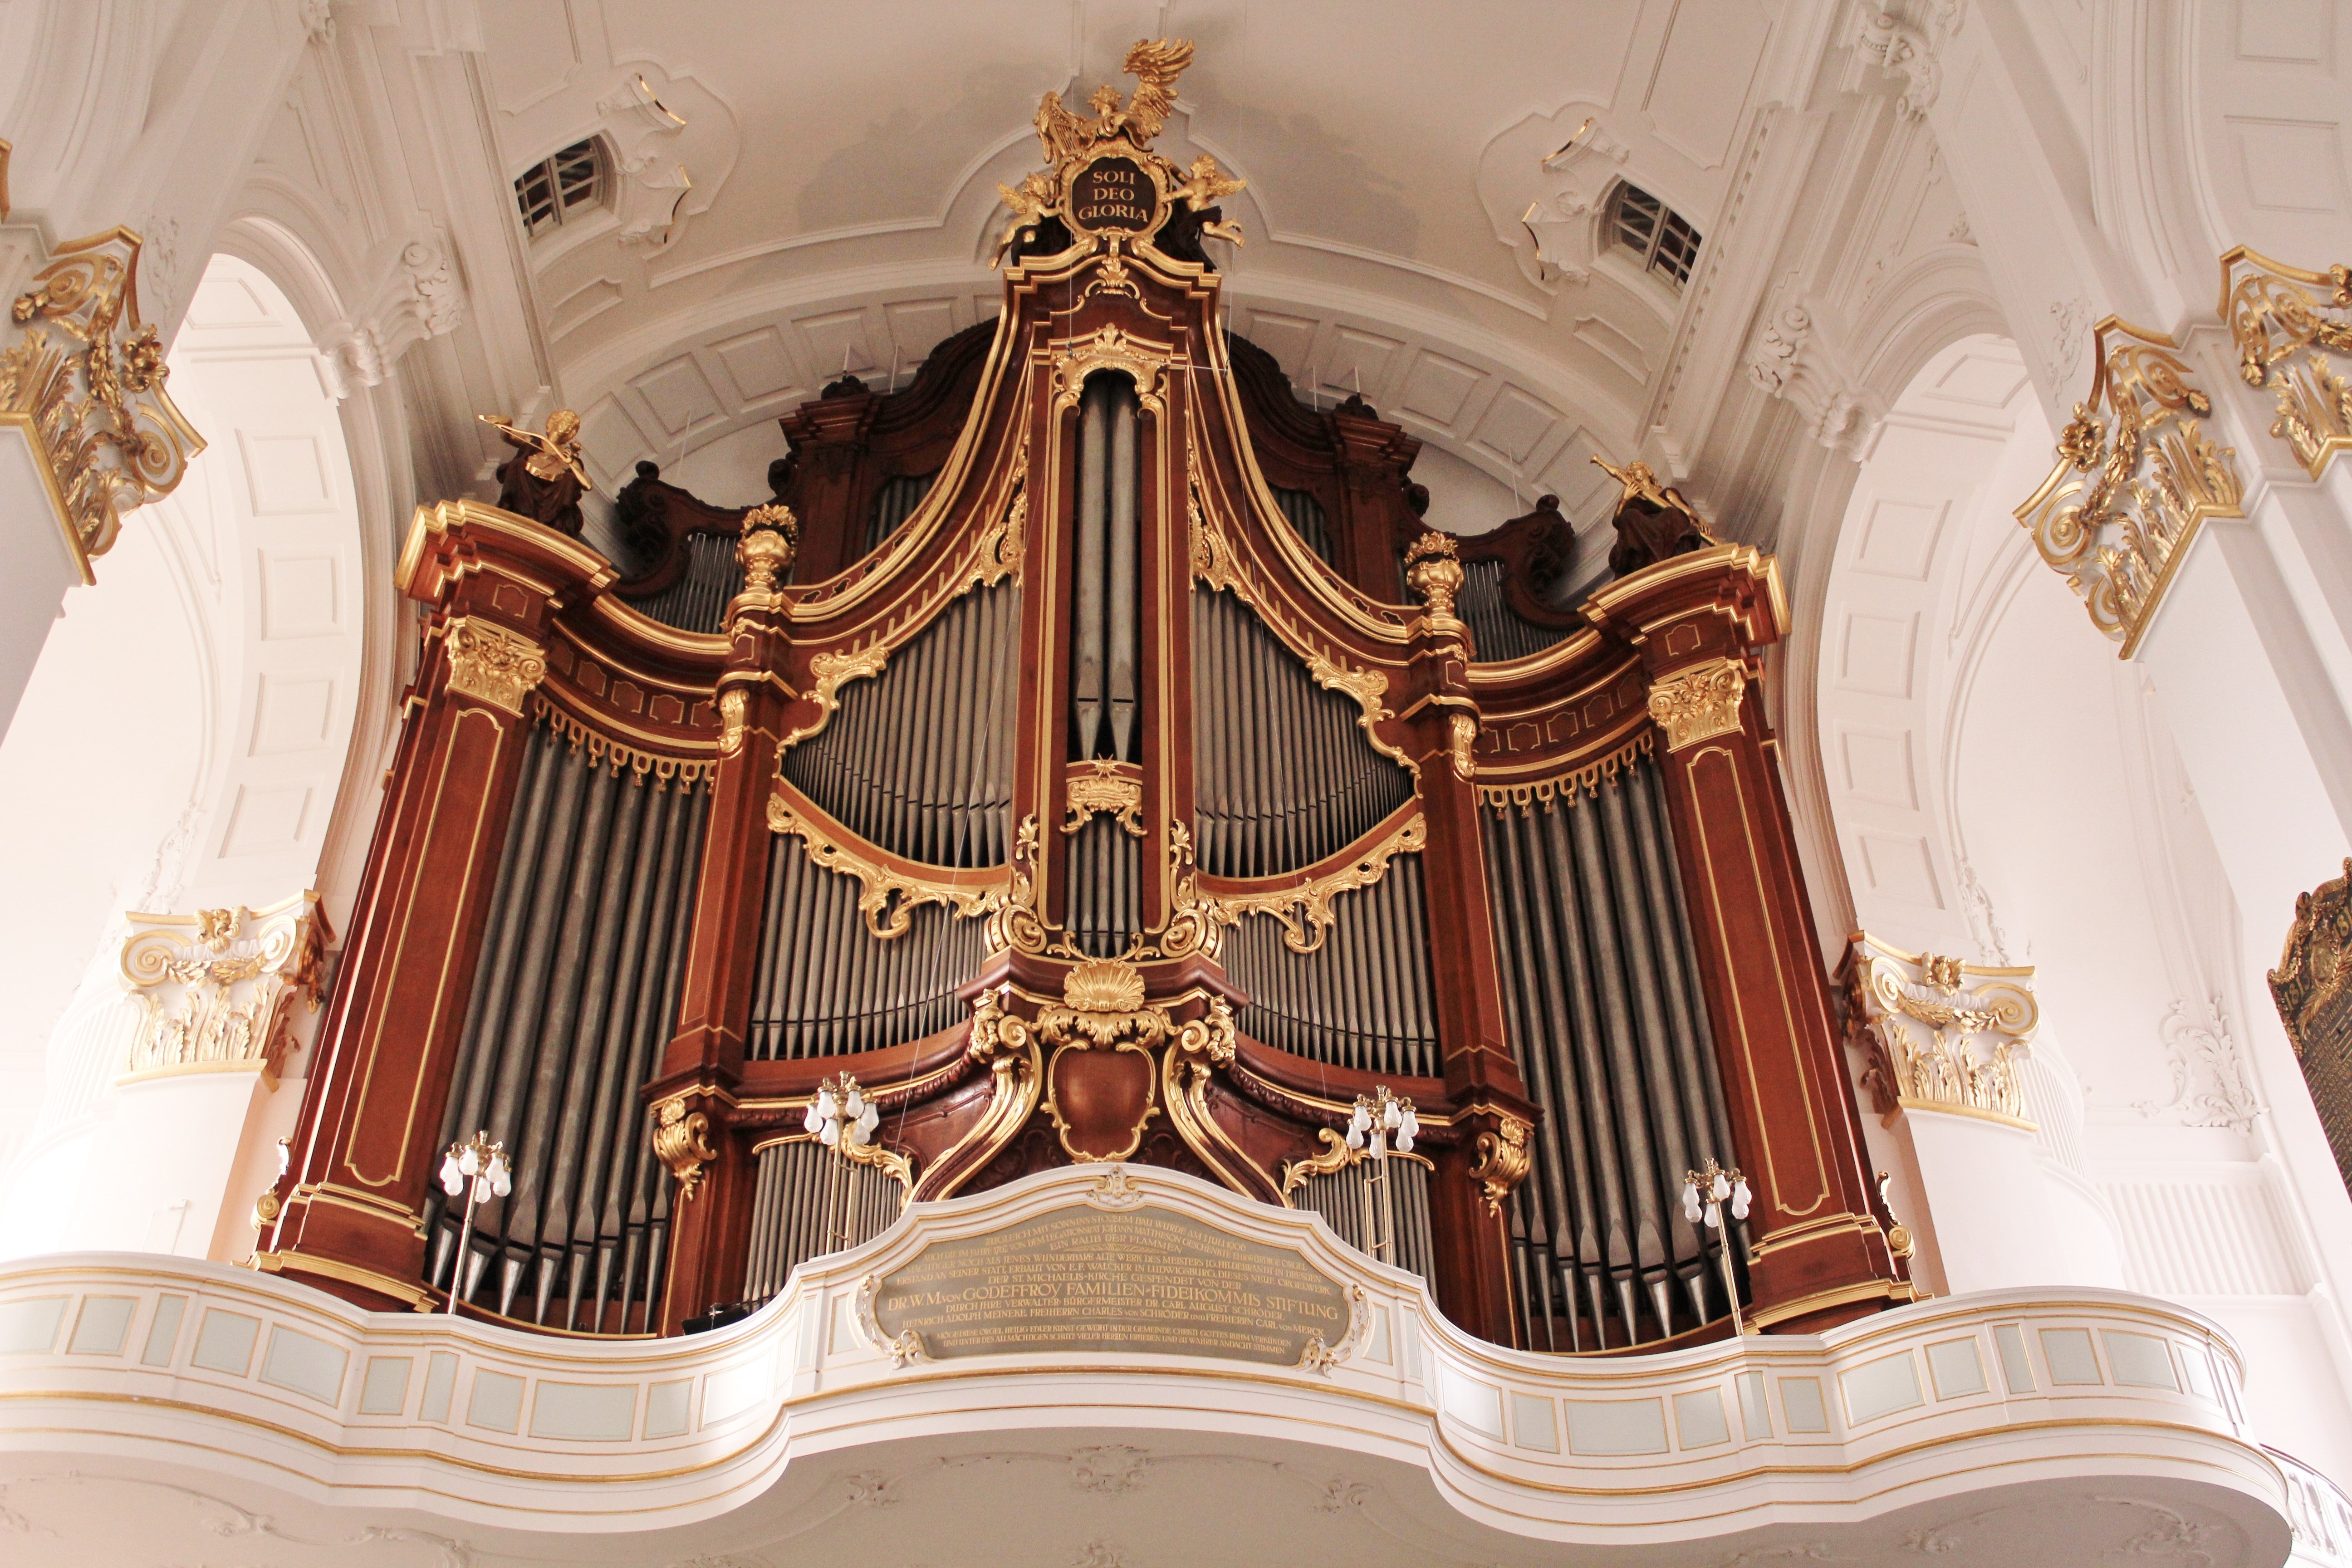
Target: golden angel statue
544, 480
1207, 185
1652, 522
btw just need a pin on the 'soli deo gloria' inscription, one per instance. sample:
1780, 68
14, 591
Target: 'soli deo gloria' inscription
1092, 1281
1112, 193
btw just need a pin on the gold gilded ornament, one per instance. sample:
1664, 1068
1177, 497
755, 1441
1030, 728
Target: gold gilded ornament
1698, 703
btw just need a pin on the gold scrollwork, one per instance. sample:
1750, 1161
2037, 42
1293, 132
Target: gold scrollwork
682, 1143
1015, 925
2116, 537
1503, 1157
1336, 1156
99, 413
888, 898
497, 666
1110, 347
1369, 689
732, 703
1103, 788
1977, 1024
832, 672
1695, 704
1462, 747
2274, 311
1304, 912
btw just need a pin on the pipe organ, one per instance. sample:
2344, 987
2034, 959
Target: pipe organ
1090, 750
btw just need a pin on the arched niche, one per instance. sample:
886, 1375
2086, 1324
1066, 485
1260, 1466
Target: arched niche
184, 745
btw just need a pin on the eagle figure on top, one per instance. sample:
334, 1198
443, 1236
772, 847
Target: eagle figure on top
1155, 66
1067, 138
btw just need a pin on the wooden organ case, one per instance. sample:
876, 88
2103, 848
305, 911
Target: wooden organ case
1082, 795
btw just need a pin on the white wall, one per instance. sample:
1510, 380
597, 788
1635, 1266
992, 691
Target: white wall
181, 746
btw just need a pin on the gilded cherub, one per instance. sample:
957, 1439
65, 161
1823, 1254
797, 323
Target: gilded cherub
543, 481
1207, 185
1033, 199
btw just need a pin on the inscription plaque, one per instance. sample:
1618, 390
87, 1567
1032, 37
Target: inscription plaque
1095, 1281
1113, 194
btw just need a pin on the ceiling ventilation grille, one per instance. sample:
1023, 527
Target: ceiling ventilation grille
1660, 236
548, 193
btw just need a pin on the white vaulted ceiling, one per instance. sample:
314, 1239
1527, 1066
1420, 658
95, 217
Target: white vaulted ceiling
840, 165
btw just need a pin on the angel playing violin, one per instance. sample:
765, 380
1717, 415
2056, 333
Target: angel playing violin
543, 481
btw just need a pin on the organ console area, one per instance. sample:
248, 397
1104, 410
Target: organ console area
1089, 754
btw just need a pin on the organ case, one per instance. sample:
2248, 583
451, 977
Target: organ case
1038, 763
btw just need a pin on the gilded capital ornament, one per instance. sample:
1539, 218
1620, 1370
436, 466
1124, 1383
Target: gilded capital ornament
1936, 1034
94, 406
2282, 318
1102, 788
1698, 703
2132, 484
489, 662
217, 989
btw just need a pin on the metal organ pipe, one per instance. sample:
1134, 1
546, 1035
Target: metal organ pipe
919, 759
1283, 774
573, 995
1601, 1004
1494, 627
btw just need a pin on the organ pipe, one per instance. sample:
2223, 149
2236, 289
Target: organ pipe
826, 986
806, 1201
1496, 630
1364, 999
1602, 999
1283, 775
919, 759
573, 995
1349, 1201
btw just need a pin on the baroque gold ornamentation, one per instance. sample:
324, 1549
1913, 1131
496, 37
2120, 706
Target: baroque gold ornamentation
1463, 746
832, 672
1103, 788
1015, 924
732, 703
1304, 912
489, 662
682, 1143
888, 898
1102, 1009
2154, 480
1110, 347
1694, 704
216, 990
770, 539
2311, 985
1433, 569
2273, 311
604, 752
1565, 787
1940, 1034
1502, 1159
1336, 1156
1071, 142
96, 406
1369, 688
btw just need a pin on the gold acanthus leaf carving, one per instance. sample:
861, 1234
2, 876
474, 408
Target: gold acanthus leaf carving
1304, 912
1698, 703
831, 671
682, 1143
2273, 311
1976, 1025
110, 433
1336, 1156
1103, 789
216, 990
490, 663
888, 898
1464, 746
1369, 689
2153, 481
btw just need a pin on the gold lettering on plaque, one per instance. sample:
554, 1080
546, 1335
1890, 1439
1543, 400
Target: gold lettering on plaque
1091, 1282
